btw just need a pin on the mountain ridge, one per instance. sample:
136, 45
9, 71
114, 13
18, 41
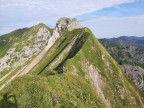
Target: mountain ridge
128, 41
76, 71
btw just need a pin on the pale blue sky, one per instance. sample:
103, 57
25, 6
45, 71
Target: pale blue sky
106, 18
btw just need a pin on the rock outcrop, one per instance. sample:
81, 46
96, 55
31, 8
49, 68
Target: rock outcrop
67, 24
136, 74
15, 58
62, 25
136, 54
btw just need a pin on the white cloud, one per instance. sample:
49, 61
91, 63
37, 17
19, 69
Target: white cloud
28, 12
116, 26
70, 8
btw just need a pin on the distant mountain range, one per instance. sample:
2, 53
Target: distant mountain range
128, 41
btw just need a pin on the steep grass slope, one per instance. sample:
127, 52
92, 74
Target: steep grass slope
94, 63
61, 90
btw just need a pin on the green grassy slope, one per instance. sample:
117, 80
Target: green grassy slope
61, 90
117, 88
93, 78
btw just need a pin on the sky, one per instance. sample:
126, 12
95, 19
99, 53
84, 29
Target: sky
106, 18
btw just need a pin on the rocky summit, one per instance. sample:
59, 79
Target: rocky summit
66, 66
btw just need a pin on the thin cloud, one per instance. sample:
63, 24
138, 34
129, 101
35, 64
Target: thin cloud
116, 26
64, 7
28, 12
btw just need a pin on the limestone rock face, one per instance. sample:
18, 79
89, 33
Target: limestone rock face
65, 24
136, 74
62, 25
15, 58
68, 23
137, 54
42, 34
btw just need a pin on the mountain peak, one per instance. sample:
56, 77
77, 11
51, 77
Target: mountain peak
65, 20
68, 23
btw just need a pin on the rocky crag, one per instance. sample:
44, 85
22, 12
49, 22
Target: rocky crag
136, 74
135, 54
15, 58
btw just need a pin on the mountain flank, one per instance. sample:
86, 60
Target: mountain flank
71, 69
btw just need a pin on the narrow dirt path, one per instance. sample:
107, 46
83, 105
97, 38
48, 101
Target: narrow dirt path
51, 41
34, 62
11, 79
26, 69
5, 76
